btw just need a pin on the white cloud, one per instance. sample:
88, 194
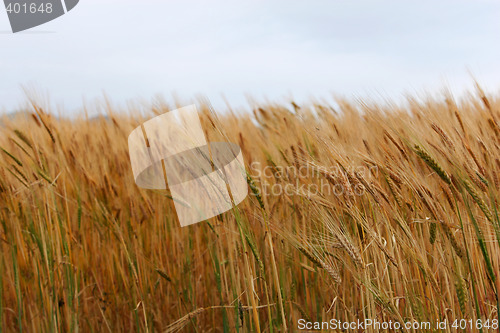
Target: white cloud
140, 48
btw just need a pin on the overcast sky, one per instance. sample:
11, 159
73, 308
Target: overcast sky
137, 49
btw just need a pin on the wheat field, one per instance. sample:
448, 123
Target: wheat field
358, 210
